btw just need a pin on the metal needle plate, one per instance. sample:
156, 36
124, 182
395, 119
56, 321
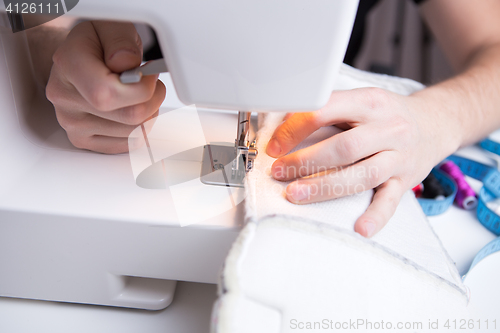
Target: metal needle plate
218, 166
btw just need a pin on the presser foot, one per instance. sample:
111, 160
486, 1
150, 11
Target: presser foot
226, 165
222, 166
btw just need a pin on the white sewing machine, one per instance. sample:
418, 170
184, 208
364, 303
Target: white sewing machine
74, 225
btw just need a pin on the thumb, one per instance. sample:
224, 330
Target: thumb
121, 45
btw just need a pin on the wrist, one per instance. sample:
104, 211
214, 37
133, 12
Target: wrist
441, 128
43, 42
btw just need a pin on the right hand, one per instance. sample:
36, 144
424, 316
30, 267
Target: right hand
95, 109
391, 144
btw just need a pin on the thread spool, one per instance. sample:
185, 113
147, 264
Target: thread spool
418, 190
433, 189
466, 197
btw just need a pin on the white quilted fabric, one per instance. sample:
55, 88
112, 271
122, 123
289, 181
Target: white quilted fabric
284, 271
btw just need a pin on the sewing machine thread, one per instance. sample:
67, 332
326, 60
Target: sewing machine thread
466, 197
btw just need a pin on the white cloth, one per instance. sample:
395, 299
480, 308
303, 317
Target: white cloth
284, 271
305, 262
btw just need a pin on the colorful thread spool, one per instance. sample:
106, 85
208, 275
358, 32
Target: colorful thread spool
466, 197
418, 190
432, 188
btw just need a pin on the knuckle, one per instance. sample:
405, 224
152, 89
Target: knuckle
52, 93
135, 144
399, 183
100, 97
161, 89
74, 126
392, 203
150, 121
316, 118
394, 193
349, 148
67, 123
134, 115
374, 177
79, 142
64, 57
297, 160
376, 98
401, 125
404, 130
58, 57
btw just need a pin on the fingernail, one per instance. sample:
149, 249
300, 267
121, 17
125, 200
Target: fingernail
278, 170
369, 229
273, 148
128, 52
298, 192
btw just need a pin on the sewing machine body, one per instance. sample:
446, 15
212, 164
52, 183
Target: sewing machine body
74, 225
244, 55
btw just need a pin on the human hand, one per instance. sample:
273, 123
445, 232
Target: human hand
391, 144
97, 111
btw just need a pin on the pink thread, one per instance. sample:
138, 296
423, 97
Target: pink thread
466, 197
418, 190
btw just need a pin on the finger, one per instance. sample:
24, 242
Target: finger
136, 114
101, 144
288, 115
343, 126
63, 94
339, 150
81, 63
384, 204
291, 132
71, 101
121, 44
109, 145
350, 106
356, 178
150, 122
86, 125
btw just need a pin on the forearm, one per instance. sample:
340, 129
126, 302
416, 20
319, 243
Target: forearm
467, 106
43, 42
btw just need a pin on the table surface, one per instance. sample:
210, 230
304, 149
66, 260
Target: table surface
189, 313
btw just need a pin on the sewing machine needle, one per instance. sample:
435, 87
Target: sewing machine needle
150, 68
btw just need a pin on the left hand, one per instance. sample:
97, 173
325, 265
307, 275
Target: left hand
391, 145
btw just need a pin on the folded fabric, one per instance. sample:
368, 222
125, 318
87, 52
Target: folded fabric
285, 274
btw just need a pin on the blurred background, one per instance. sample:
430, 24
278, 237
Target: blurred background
397, 42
